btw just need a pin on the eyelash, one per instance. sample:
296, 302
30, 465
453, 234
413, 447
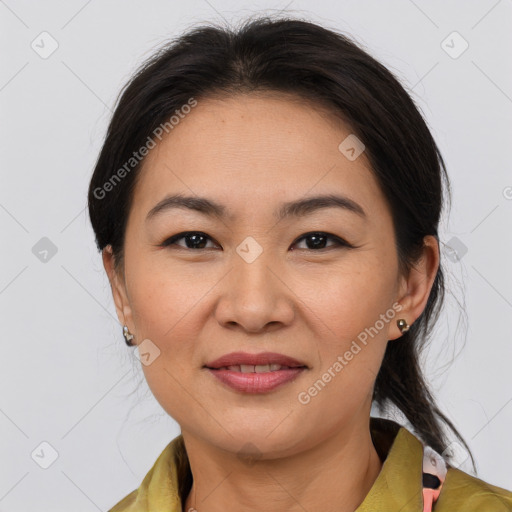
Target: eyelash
339, 241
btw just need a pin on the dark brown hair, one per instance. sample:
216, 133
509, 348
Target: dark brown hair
329, 69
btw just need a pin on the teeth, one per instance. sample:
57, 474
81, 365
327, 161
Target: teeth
251, 368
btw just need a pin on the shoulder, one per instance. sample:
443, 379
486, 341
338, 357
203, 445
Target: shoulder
462, 491
159, 488
126, 504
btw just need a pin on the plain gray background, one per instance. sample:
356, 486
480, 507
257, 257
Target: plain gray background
67, 378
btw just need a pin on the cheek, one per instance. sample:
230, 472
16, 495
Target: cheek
165, 309
351, 299
351, 341
165, 303
352, 314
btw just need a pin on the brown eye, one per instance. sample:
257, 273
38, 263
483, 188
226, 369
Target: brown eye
318, 241
197, 240
193, 240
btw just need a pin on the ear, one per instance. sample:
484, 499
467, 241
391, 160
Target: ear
415, 288
117, 284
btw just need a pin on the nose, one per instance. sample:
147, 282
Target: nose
255, 296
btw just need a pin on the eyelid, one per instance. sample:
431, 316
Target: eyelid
340, 242
171, 241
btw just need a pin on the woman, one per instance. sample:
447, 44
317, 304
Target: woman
267, 203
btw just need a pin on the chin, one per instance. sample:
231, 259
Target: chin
263, 441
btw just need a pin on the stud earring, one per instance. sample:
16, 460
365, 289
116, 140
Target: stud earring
402, 325
128, 336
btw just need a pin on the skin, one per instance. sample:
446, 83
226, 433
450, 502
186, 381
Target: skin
251, 153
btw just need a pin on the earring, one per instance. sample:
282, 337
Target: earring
402, 325
128, 336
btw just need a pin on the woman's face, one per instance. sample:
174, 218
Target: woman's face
251, 282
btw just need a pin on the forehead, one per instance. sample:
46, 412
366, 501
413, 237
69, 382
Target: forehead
250, 149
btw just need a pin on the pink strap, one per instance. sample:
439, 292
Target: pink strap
433, 464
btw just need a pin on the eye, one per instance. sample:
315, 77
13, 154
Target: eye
317, 241
193, 240
198, 240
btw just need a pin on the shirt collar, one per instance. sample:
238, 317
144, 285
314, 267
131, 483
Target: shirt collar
397, 487
399, 483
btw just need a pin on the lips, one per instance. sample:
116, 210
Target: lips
254, 363
255, 373
251, 368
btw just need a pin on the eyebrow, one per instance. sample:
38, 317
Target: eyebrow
298, 208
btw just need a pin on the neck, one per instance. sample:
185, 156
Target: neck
334, 475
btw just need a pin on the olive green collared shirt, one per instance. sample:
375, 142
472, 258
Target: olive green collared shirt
398, 487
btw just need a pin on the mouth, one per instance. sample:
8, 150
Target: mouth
246, 362
258, 368
255, 373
